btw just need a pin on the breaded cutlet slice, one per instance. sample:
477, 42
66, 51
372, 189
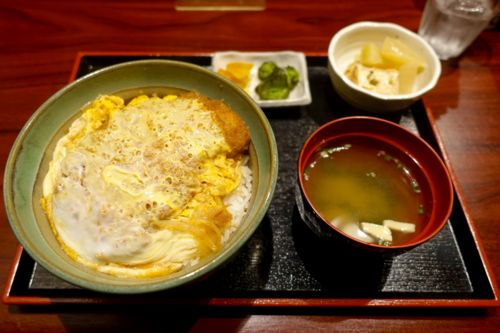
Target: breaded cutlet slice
233, 127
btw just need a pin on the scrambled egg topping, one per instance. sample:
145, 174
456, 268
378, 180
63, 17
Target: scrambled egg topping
137, 189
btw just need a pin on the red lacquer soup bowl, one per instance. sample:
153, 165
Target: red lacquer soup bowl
371, 183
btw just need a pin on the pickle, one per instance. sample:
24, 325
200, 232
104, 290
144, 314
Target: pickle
276, 82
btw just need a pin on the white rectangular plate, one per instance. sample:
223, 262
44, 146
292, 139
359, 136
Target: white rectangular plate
300, 95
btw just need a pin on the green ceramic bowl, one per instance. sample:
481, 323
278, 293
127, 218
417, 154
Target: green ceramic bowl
33, 148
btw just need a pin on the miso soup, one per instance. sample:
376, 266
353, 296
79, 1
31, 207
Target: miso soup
356, 182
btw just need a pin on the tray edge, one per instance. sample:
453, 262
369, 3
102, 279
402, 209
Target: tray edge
494, 302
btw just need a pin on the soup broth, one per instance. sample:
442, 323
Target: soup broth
359, 180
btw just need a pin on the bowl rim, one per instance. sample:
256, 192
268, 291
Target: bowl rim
156, 285
395, 27
433, 153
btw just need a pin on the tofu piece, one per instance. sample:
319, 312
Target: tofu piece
382, 233
404, 227
383, 81
352, 228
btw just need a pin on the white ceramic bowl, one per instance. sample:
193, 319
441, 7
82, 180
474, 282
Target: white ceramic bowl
347, 43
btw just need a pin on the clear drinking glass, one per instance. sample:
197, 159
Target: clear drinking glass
450, 26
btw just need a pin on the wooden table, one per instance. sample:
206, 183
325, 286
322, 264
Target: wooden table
40, 39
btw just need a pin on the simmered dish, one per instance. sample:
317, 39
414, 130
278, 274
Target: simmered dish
389, 70
149, 187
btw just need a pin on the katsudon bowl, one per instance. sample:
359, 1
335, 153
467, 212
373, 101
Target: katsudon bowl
31, 153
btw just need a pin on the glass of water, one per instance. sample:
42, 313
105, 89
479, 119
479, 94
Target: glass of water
450, 26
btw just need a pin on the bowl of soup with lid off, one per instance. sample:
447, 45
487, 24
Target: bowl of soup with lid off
371, 183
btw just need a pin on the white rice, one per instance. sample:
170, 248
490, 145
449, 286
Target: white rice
238, 201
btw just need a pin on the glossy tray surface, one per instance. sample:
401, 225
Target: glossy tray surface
280, 264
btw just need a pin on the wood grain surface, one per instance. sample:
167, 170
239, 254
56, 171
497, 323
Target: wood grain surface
39, 41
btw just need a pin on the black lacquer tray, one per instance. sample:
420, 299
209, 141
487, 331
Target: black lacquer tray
279, 265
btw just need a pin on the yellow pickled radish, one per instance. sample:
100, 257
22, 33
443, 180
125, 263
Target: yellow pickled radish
370, 55
238, 72
228, 74
241, 70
